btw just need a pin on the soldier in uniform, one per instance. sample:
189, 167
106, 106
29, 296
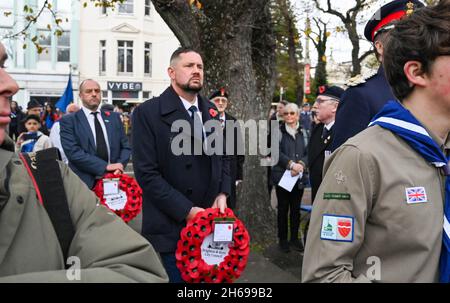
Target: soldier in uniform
379, 212
220, 99
322, 134
367, 94
30, 251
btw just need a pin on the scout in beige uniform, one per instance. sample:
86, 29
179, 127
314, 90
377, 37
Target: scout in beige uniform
379, 213
107, 249
361, 211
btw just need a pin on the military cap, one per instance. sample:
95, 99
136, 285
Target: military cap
33, 104
107, 107
334, 92
392, 11
219, 93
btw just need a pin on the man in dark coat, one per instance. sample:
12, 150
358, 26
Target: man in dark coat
368, 94
177, 185
322, 134
220, 99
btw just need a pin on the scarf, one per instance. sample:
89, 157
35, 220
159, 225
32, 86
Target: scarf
394, 117
292, 131
30, 141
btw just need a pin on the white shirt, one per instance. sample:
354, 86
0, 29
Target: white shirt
55, 138
188, 105
329, 125
91, 119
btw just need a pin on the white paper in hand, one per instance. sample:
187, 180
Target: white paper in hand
287, 181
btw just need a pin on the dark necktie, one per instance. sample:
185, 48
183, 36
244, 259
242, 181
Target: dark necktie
325, 132
102, 149
198, 126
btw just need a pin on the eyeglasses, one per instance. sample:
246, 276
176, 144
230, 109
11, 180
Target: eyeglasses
220, 100
290, 113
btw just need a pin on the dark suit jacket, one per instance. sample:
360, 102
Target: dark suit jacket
172, 184
358, 106
79, 146
236, 162
316, 156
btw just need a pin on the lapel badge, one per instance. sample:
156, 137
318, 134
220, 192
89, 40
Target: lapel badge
340, 177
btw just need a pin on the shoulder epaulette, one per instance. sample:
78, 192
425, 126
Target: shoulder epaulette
370, 74
360, 79
356, 80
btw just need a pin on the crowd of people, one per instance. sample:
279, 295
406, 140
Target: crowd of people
375, 155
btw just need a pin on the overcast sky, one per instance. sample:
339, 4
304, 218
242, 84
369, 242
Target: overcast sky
338, 43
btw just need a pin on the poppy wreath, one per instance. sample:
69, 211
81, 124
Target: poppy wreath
129, 185
193, 268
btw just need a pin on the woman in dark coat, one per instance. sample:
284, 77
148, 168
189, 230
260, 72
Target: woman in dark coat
16, 116
293, 157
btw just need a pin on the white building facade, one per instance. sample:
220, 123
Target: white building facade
43, 76
127, 50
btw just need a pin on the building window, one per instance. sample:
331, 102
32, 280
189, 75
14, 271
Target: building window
147, 7
102, 59
125, 57
63, 47
45, 41
148, 59
104, 96
126, 8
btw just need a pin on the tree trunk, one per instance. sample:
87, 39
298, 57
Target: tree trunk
236, 42
353, 36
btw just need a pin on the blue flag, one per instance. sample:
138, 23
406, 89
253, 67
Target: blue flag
67, 98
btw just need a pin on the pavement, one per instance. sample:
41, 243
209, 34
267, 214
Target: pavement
268, 266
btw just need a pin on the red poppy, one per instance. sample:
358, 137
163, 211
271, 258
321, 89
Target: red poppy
189, 258
133, 191
322, 89
213, 112
107, 114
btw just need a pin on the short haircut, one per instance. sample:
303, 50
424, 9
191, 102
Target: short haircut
32, 117
84, 81
422, 37
382, 37
292, 106
284, 102
181, 50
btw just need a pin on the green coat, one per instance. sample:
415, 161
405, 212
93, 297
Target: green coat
108, 250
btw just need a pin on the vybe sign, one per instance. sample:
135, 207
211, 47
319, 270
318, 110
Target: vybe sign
124, 86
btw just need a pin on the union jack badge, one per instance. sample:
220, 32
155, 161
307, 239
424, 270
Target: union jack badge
416, 195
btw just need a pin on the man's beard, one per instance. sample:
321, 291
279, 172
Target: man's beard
191, 89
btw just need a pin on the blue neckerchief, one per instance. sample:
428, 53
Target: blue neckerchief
30, 140
394, 117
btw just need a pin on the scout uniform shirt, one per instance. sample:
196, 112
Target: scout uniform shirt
378, 214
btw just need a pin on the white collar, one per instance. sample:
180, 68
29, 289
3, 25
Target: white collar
329, 125
188, 104
87, 111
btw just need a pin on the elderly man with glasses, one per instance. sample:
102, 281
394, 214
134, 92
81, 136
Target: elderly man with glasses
322, 134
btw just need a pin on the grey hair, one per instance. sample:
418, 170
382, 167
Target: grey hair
292, 106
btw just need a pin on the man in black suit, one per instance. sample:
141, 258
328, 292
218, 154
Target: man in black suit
94, 141
220, 99
177, 185
322, 134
